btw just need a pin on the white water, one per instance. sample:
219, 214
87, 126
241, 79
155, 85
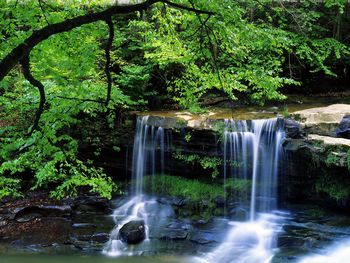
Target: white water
256, 146
148, 144
337, 253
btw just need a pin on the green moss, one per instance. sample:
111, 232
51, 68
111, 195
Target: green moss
240, 185
182, 187
348, 159
334, 185
332, 159
315, 212
196, 190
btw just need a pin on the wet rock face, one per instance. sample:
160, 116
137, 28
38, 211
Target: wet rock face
133, 232
94, 204
293, 129
343, 130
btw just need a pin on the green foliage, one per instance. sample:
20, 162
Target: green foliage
219, 128
206, 162
286, 113
9, 187
188, 137
246, 51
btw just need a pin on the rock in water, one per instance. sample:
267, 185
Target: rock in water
133, 232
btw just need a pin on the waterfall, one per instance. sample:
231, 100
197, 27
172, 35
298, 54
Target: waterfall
148, 159
148, 154
251, 151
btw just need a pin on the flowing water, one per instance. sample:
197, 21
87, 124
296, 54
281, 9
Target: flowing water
148, 159
337, 253
252, 151
254, 148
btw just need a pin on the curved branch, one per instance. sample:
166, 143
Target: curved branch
24, 49
109, 22
36, 83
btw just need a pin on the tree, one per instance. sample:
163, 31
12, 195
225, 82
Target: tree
90, 62
50, 153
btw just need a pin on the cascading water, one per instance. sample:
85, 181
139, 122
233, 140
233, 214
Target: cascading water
338, 253
251, 151
148, 141
148, 159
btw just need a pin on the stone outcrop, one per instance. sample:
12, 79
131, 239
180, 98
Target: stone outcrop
343, 130
37, 220
322, 120
327, 140
330, 114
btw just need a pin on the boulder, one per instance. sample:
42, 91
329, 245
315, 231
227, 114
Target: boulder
133, 232
322, 120
25, 214
330, 114
343, 130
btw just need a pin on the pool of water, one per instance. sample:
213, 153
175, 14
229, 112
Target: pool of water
305, 235
93, 259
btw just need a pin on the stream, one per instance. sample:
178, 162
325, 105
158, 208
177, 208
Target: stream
258, 233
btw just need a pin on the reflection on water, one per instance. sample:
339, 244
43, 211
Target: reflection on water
93, 259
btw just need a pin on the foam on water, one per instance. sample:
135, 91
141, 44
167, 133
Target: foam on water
336, 253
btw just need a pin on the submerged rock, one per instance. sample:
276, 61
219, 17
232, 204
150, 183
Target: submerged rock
133, 232
204, 237
173, 234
